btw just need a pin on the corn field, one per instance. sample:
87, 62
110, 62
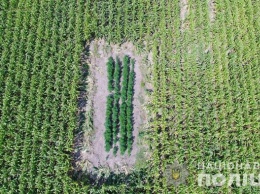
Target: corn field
204, 104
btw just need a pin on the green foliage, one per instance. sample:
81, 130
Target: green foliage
204, 100
205, 75
123, 130
117, 76
129, 111
115, 118
115, 149
125, 74
109, 123
110, 73
121, 115
116, 107
123, 108
40, 50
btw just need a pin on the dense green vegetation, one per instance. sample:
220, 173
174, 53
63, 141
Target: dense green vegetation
205, 75
40, 47
116, 108
119, 117
111, 110
123, 106
110, 73
109, 123
204, 105
129, 110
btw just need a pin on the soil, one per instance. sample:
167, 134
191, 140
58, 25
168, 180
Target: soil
95, 155
184, 10
212, 10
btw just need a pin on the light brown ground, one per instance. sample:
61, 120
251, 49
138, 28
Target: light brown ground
184, 11
212, 10
95, 155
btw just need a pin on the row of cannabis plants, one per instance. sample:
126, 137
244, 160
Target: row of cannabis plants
119, 107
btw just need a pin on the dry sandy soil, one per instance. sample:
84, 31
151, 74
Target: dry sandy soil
212, 10
95, 154
183, 13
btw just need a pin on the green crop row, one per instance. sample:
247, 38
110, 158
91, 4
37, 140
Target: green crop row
119, 118
110, 74
123, 106
129, 110
126, 108
109, 123
116, 108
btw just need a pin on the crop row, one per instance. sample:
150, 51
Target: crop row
119, 118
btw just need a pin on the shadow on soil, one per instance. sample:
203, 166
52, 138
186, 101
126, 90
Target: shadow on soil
134, 179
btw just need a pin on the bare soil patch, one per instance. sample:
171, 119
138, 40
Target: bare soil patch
184, 10
93, 154
212, 10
